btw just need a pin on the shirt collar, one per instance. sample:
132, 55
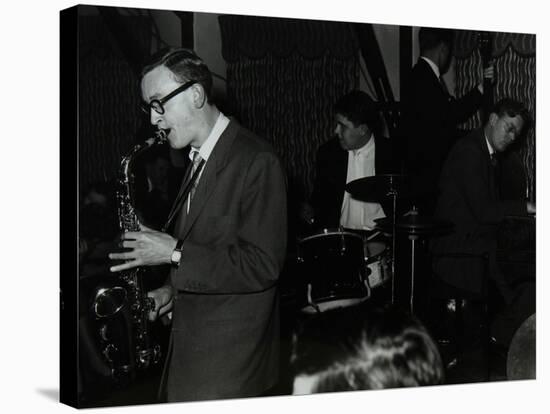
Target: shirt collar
432, 65
206, 149
365, 148
489, 146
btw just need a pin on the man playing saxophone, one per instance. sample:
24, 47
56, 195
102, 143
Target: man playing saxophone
225, 240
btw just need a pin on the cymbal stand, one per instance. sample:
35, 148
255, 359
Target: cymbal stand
414, 238
393, 193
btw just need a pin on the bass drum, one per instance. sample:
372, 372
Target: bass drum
333, 271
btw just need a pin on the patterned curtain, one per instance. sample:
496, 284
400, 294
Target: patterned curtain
283, 76
108, 114
514, 59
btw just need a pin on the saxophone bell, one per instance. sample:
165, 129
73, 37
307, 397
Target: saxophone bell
108, 300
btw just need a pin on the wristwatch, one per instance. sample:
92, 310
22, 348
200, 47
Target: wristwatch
176, 254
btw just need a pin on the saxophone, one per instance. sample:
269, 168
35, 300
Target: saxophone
121, 306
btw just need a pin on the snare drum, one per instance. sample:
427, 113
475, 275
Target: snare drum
377, 261
334, 272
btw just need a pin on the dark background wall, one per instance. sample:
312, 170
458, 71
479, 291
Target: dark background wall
279, 77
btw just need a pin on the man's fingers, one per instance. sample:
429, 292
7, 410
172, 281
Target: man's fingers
123, 256
129, 244
157, 306
153, 315
125, 266
131, 235
164, 307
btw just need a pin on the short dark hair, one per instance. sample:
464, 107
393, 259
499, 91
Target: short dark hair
430, 37
355, 349
512, 108
185, 64
359, 108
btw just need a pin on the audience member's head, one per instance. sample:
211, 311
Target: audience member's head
355, 349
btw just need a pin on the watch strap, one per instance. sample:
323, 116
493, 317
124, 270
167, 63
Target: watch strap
176, 254
179, 245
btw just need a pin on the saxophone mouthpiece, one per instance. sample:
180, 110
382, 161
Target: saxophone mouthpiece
162, 134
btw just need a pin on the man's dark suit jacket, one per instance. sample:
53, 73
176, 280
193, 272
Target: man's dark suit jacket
430, 118
331, 174
225, 324
469, 199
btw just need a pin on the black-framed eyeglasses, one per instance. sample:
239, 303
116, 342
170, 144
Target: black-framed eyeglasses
158, 104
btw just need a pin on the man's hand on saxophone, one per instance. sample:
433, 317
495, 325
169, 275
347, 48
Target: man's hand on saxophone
150, 248
164, 301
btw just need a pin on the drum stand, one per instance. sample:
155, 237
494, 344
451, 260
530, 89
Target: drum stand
418, 229
413, 239
392, 192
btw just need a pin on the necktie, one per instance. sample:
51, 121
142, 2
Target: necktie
188, 186
196, 163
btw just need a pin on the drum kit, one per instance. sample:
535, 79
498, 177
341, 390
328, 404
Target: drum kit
345, 266
342, 268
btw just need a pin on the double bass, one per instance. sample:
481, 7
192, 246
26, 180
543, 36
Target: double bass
485, 42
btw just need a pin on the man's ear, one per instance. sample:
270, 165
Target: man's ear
493, 118
199, 95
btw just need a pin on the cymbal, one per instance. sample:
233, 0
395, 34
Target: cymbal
378, 186
521, 359
414, 224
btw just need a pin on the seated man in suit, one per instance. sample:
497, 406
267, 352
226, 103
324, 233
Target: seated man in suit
357, 348
431, 114
226, 244
358, 150
470, 199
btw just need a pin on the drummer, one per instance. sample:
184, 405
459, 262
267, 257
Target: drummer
357, 150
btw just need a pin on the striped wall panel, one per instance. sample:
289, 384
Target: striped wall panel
288, 101
108, 100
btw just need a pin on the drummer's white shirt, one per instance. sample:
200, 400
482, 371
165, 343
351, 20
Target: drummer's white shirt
358, 214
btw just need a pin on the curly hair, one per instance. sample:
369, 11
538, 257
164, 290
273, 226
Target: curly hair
359, 108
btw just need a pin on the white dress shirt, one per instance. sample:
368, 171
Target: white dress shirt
489, 146
357, 214
208, 146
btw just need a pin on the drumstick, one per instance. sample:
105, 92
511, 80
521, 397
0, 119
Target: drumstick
373, 235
